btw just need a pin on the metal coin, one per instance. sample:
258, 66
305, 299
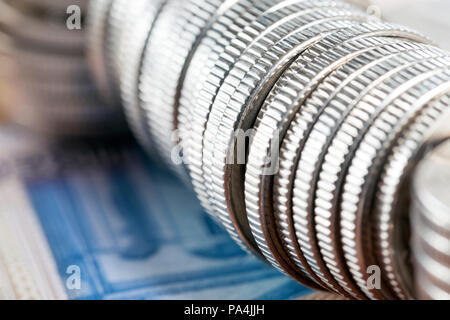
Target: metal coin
362, 167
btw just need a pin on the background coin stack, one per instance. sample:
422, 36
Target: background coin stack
339, 105
53, 91
431, 224
297, 122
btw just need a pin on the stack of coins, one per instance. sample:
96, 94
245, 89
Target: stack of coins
6, 74
431, 224
297, 122
54, 93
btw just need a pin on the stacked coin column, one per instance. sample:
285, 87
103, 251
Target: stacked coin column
52, 82
297, 122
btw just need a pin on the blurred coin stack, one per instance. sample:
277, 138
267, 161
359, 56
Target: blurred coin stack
53, 92
298, 123
431, 224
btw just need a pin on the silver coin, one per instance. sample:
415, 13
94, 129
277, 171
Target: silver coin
61, 93
435, 276
115, 23
430, 187
96, 37
251, 72
177, 34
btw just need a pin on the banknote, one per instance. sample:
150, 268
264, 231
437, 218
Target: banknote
99, 220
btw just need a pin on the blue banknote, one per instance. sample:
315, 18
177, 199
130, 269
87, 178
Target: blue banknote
130, 230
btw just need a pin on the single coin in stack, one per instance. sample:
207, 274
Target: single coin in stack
315, 151
9, 96
259, 181
274, 60
41, 30
240, 99
57, 94
372, 130
216, 33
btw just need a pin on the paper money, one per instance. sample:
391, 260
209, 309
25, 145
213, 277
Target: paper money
94, 221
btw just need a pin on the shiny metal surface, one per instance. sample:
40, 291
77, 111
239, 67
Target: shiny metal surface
301, 125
